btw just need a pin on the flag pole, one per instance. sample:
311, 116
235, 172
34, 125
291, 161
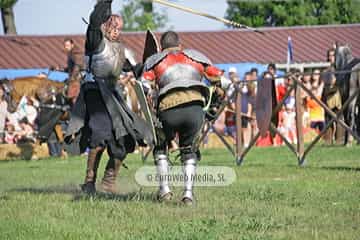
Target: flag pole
289, 54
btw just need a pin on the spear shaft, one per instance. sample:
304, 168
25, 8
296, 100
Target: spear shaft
220, 19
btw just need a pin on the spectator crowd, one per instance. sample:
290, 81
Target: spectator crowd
320, 82
20, 125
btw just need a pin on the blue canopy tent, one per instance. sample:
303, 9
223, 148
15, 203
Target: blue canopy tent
16, 73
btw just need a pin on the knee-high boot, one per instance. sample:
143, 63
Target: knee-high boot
93, 161
108, 183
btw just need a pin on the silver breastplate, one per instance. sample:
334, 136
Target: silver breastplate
108, 63
179, 73
180, 76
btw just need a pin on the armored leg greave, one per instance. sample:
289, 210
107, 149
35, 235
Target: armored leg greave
162, 167
189, 168
91, 170
110, 174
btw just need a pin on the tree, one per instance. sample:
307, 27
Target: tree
7, 16
139, 16
147, 6
291, 13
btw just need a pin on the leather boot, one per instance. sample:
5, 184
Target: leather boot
108, 183
91, 170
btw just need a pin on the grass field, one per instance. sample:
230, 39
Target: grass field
272, 198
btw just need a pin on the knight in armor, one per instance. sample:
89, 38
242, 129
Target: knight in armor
178, 74
100, 114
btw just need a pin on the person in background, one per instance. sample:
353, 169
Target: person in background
280, 87
331, 96
31, 111
316, 112
271, 68
225, 123
306, 80
26, 134
252, 77
317, 84
10, 134
55, 148
247, 108
337, 129
330, 57
287, 123
249, 82
254, 74
233, 76
234, 79
75, 61
230, 123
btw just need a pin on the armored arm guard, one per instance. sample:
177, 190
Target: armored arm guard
131, 64
216, 77
149, 75
213, 74
94, 35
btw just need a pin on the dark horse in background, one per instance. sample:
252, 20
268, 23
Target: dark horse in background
348, 83
53, 97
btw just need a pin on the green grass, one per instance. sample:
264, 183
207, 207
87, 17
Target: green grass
272, 198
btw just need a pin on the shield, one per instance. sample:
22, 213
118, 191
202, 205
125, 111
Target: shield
148, 114
264, 105
151, 45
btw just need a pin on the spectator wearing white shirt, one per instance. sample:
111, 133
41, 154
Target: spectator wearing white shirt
31, 112
287, 124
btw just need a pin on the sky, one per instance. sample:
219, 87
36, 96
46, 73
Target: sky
57, 17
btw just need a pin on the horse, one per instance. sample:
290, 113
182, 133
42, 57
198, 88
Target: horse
29, 86
348, 84
54, 102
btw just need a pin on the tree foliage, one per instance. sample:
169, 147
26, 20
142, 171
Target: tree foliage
292, 13
7, 16
7, 3
139, 16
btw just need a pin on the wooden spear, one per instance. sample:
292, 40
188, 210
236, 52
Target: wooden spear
220, 19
